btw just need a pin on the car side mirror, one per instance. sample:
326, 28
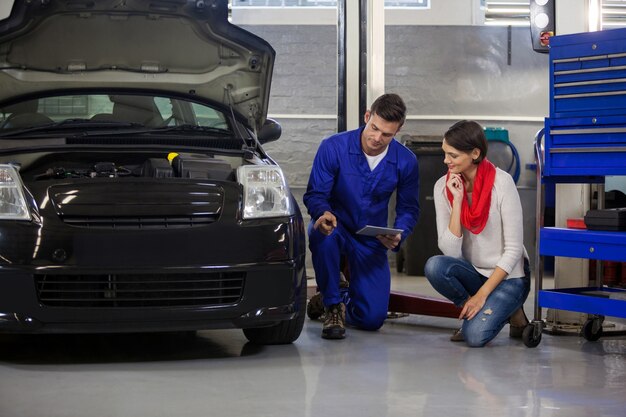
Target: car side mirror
270, 131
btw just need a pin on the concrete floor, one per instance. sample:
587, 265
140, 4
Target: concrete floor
408, 368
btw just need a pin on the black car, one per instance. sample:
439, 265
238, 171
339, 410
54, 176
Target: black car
134, 191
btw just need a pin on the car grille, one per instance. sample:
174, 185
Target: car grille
138, 205
168, 222
140, 290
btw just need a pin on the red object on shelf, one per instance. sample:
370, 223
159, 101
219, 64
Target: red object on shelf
610, 273
577, 223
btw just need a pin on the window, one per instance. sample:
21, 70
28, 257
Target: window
517, 13
67, 105
507, 13
206, 116
322, 3
613, 14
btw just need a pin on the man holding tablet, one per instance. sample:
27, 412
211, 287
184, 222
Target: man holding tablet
353, 177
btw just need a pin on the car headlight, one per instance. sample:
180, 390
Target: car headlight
12, 202
265, 191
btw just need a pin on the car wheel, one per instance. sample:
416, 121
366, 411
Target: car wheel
284, 332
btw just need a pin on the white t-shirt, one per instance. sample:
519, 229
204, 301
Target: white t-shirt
501, 242
373, 161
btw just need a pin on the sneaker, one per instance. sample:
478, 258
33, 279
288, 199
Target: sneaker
315, 308
457, 336
335, 322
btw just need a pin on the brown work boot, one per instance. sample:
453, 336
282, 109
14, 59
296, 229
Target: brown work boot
335, 322
343, 282
315, 308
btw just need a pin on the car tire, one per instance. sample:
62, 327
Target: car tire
284, 332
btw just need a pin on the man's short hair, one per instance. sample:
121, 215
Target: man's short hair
390, 107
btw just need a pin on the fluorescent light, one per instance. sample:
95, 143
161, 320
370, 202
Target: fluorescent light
507, 22
594, 16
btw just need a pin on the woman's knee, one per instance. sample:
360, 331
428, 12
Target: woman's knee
436, 267
473, 339
433, 266
477, 334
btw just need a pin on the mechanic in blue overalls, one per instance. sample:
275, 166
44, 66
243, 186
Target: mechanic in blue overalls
353, 177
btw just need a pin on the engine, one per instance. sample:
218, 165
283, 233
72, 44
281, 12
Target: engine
174, 166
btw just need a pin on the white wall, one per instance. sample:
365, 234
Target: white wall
441, 12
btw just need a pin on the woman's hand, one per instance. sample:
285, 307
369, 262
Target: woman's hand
472, 306
455, 185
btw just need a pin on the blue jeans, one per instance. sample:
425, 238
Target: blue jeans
457, 280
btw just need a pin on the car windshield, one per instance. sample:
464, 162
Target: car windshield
101, 111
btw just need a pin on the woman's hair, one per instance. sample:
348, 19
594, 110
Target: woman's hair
466, 136
390, 107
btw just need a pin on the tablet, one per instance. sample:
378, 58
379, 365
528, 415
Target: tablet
377, 230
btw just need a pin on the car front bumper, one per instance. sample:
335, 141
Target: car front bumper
269, 295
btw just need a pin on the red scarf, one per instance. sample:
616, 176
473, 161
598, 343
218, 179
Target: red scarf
474, 217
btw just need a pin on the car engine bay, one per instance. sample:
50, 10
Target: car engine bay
190, 166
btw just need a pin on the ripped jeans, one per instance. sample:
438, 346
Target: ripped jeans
457, 280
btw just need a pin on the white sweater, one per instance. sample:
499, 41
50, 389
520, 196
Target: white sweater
501, 242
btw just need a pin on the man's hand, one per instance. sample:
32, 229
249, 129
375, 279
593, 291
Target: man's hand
390, 241
326, 223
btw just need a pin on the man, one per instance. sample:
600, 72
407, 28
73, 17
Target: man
353, 177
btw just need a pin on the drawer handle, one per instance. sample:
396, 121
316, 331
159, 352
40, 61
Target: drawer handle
589, 150
591, 131
589, 70
584, 95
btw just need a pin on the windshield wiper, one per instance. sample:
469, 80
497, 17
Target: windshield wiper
70, 124
215, 131
192, 128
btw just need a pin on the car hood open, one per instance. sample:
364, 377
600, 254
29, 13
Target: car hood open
181, 46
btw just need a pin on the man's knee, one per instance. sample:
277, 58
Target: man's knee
371, 323
320, 241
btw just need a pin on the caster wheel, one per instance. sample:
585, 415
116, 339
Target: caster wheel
532, 335
592, 330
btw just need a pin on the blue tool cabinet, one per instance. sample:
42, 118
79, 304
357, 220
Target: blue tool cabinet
585, 140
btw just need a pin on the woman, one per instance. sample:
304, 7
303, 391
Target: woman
484, 268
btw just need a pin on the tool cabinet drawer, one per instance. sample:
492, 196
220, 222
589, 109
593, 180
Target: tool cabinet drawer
585, 146
588, 74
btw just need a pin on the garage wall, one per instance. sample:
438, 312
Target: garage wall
444, 73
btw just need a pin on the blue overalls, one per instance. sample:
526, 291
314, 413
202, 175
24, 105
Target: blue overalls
341, 182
